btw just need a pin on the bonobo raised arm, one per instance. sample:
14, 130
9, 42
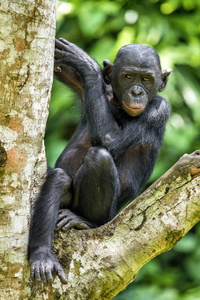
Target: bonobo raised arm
113, 151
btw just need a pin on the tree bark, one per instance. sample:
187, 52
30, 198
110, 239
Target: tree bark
27, 30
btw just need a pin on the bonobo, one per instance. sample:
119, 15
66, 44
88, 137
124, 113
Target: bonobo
113, 151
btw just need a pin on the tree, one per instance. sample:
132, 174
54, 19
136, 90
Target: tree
27, 43
99, 262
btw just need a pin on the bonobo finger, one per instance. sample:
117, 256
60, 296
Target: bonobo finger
32, 276
57, 64
60, 45
43, 274
76, 225
58, 53
37, 275
57, 69
63, 213
71, 48
62, 223
49, 275
82, 225
61, 274
64, 41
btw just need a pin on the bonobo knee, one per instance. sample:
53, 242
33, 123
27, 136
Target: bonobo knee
99, 155
59, 176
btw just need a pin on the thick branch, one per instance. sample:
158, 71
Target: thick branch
103, 261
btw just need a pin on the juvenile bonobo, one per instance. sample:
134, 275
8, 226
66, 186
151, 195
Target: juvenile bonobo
113, 151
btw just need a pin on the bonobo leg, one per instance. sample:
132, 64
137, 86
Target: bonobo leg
56, 190
97, 187
68, 219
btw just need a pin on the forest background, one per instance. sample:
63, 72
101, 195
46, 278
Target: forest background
172, 28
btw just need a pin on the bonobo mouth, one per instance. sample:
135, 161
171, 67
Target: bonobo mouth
133, 111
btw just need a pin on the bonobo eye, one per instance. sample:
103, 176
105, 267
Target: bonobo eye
129, 76
146, 79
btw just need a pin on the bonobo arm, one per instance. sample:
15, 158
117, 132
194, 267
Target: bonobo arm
43, 262
70, 77
101, 123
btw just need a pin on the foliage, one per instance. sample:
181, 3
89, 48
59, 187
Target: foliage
171, 27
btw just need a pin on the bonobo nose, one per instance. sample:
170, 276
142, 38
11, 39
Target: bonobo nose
137, 90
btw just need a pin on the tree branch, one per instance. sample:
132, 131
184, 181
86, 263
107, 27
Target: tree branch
101, 262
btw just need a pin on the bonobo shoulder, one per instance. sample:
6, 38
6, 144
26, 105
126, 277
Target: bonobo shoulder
160, 105
158, 112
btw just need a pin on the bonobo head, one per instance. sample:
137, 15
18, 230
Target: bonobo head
135, 77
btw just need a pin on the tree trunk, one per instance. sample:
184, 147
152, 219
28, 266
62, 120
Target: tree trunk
27, 30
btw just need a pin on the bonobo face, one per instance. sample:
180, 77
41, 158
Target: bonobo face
135, 77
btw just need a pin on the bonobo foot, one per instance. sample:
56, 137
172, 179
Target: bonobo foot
44, 265
67, 219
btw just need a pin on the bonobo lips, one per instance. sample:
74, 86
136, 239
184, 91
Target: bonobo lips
133, 110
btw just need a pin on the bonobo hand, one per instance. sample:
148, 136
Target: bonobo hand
67, 53
44, 265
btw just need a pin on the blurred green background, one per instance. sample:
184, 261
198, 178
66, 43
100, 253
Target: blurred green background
172, 27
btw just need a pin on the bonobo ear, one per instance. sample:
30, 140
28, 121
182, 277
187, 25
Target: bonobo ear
107, 68
164, 77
